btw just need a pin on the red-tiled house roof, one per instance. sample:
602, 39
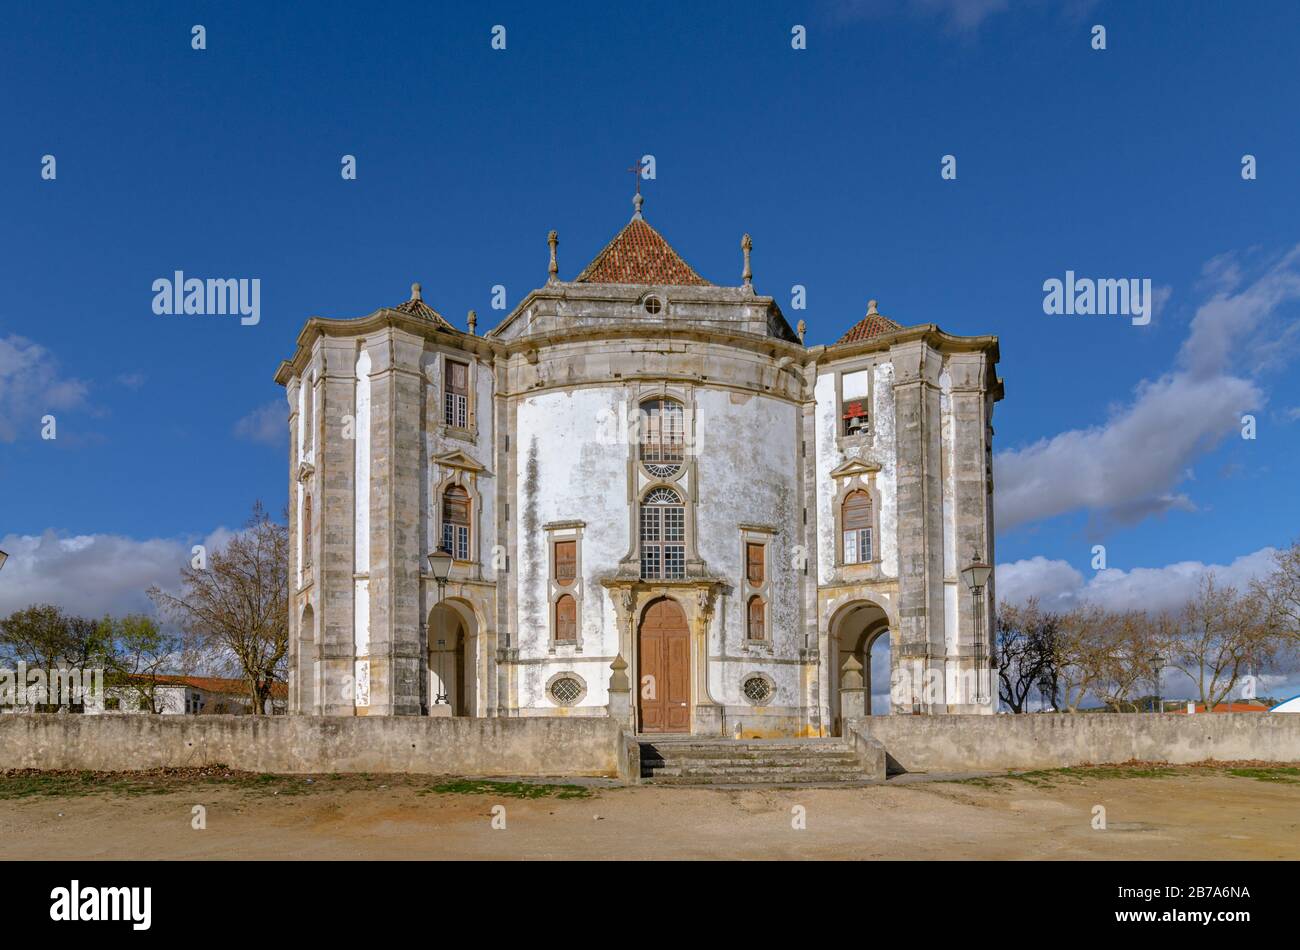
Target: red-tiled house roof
640, 255
872, 325
214, 684
1252, 706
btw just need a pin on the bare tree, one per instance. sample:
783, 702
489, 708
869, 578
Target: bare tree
238, 604
1280, 592
1026, 653
1081, 644
1125, 662
1219, 637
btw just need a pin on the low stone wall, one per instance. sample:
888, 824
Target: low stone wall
1046, 741
303, 744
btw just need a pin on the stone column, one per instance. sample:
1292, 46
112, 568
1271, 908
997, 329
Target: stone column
295, 605
971, 529
396, 547
918, 431
335, 480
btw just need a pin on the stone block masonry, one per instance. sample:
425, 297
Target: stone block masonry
1051, 741
317, 744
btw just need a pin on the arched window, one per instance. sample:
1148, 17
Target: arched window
757, 628
663, 436
663, 535
855, 518
306, 532
566, 619
455, 522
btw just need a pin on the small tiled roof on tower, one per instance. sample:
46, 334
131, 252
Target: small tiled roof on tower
416, 307
872, 325
640, 255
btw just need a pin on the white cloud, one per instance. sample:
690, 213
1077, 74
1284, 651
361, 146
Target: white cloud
92, 574
31, 385
267, 424
1131, 467
1058, 585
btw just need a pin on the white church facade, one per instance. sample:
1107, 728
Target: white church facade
659, 503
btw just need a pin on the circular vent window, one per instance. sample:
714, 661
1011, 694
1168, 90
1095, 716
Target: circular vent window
566, 689
652, 304
758, 690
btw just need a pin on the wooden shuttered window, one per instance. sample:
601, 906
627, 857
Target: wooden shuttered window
566, 619
856, 524
754, 556
566, 562
456, 397
756, 629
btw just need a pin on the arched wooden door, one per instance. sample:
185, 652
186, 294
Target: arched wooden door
664, 669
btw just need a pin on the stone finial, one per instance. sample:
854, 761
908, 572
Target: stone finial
871, 309
637, 201
801, 328
553, 239
415, 292
851, 673
473, 322
746, 245
618, 678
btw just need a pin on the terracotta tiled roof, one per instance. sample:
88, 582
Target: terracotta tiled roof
416, 307
215, 684
1247, 707
872, 325
639, 255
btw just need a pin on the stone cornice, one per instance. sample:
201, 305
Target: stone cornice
489, 348
630, 293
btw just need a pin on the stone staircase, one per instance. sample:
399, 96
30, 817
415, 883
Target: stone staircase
702, 760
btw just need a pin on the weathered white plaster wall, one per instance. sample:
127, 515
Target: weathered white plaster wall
571, 466
480, 449
748, 462
881, 450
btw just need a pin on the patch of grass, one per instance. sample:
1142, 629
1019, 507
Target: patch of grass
506, 789
1283, 774
1118, 771
978, 781
29, 783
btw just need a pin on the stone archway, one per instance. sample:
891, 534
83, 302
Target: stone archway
855, 629
452, 665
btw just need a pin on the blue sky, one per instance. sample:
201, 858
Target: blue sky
225, 162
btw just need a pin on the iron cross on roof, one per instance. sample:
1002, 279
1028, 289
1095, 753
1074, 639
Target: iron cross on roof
637, 169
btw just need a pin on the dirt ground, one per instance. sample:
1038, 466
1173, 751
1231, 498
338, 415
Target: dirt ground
1151, 812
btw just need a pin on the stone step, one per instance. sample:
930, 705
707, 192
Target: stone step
743, 764
716, 761
746, 754
718, 742
667, 749
760, 778
730, 770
